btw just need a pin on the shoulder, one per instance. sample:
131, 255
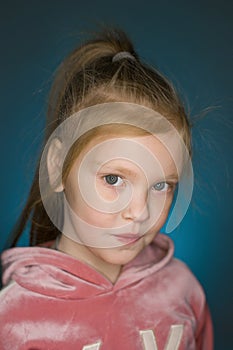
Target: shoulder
195, 299
183, 277
11, 303
184, 282
12, 297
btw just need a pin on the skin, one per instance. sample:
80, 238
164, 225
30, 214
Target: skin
150, 191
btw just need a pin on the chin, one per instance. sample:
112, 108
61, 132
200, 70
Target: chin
122, 257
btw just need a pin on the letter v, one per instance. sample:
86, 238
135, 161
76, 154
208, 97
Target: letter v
95, 346
173, 340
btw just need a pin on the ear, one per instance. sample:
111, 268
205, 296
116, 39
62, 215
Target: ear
54, 165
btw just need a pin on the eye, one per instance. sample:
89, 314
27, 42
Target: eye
113, 180
162, 186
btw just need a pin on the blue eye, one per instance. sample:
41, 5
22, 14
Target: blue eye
162, 186
113, 180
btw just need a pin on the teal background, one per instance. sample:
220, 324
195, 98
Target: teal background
189, 41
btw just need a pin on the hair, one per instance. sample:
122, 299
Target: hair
87, 77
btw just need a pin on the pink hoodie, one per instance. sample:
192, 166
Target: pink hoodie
52, 301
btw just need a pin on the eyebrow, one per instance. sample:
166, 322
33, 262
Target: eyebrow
119, 169
172, 177
123, 170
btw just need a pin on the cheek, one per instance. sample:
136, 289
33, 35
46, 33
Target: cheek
169, 201
73, 198
92, 216
160, 203
106, 193
167, 205
161, 212
83, 209
166, 210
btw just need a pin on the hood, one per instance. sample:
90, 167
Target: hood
56, 274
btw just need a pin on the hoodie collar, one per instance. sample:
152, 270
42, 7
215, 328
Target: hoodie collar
56, 274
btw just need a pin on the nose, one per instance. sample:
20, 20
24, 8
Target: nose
137, 210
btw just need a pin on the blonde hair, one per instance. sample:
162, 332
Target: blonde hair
89, 76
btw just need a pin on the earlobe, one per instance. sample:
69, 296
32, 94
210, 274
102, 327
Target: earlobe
54, 165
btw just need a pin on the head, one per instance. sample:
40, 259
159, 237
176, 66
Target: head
117, 195
93, 75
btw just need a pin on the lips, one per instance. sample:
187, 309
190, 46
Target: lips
128, 237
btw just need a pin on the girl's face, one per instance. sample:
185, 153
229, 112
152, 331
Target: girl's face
118, 194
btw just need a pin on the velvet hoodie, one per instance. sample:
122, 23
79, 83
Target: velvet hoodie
52, 301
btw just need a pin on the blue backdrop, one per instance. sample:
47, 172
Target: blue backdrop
191, 42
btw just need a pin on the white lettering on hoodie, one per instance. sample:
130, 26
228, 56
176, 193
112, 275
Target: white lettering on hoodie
149, 340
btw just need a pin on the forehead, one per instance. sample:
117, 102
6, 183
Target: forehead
145, 151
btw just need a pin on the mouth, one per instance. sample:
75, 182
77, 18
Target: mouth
128, 238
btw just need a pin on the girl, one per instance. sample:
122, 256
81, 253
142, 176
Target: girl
116, 163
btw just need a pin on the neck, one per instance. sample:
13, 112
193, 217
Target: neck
89, 256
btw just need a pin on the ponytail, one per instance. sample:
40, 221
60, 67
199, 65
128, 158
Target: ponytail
104, 69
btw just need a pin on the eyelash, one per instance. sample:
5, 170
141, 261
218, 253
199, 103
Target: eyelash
170, 185
112, 175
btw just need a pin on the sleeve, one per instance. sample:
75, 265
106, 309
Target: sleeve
204, 334
203, 331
